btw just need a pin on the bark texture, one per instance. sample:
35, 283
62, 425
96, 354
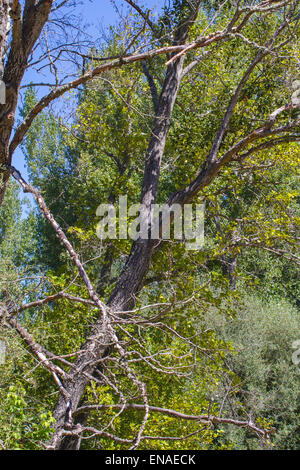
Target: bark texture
138, 263
26, 30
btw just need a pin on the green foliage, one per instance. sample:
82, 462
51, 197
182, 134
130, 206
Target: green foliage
262, 334
22, 429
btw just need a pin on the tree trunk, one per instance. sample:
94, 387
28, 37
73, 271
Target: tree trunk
137, 266
25, 32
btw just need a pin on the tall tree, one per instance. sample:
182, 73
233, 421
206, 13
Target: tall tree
239, 121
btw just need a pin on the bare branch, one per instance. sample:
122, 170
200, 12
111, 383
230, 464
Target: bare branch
144, 15
61, 235
203, 419
120, 62
152, 85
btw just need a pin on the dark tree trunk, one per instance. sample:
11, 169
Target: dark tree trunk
26, 30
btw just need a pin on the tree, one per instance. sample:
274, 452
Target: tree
263, 334
259, 38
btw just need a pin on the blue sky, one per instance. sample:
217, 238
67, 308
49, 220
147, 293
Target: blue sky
95, 14
103, 9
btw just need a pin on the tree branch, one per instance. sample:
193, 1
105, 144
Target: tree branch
152, 86
120, 62
62, 237
203, 419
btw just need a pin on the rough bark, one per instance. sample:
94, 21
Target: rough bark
4, 30
26, 30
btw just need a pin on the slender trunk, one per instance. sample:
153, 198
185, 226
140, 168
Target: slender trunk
4, 31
